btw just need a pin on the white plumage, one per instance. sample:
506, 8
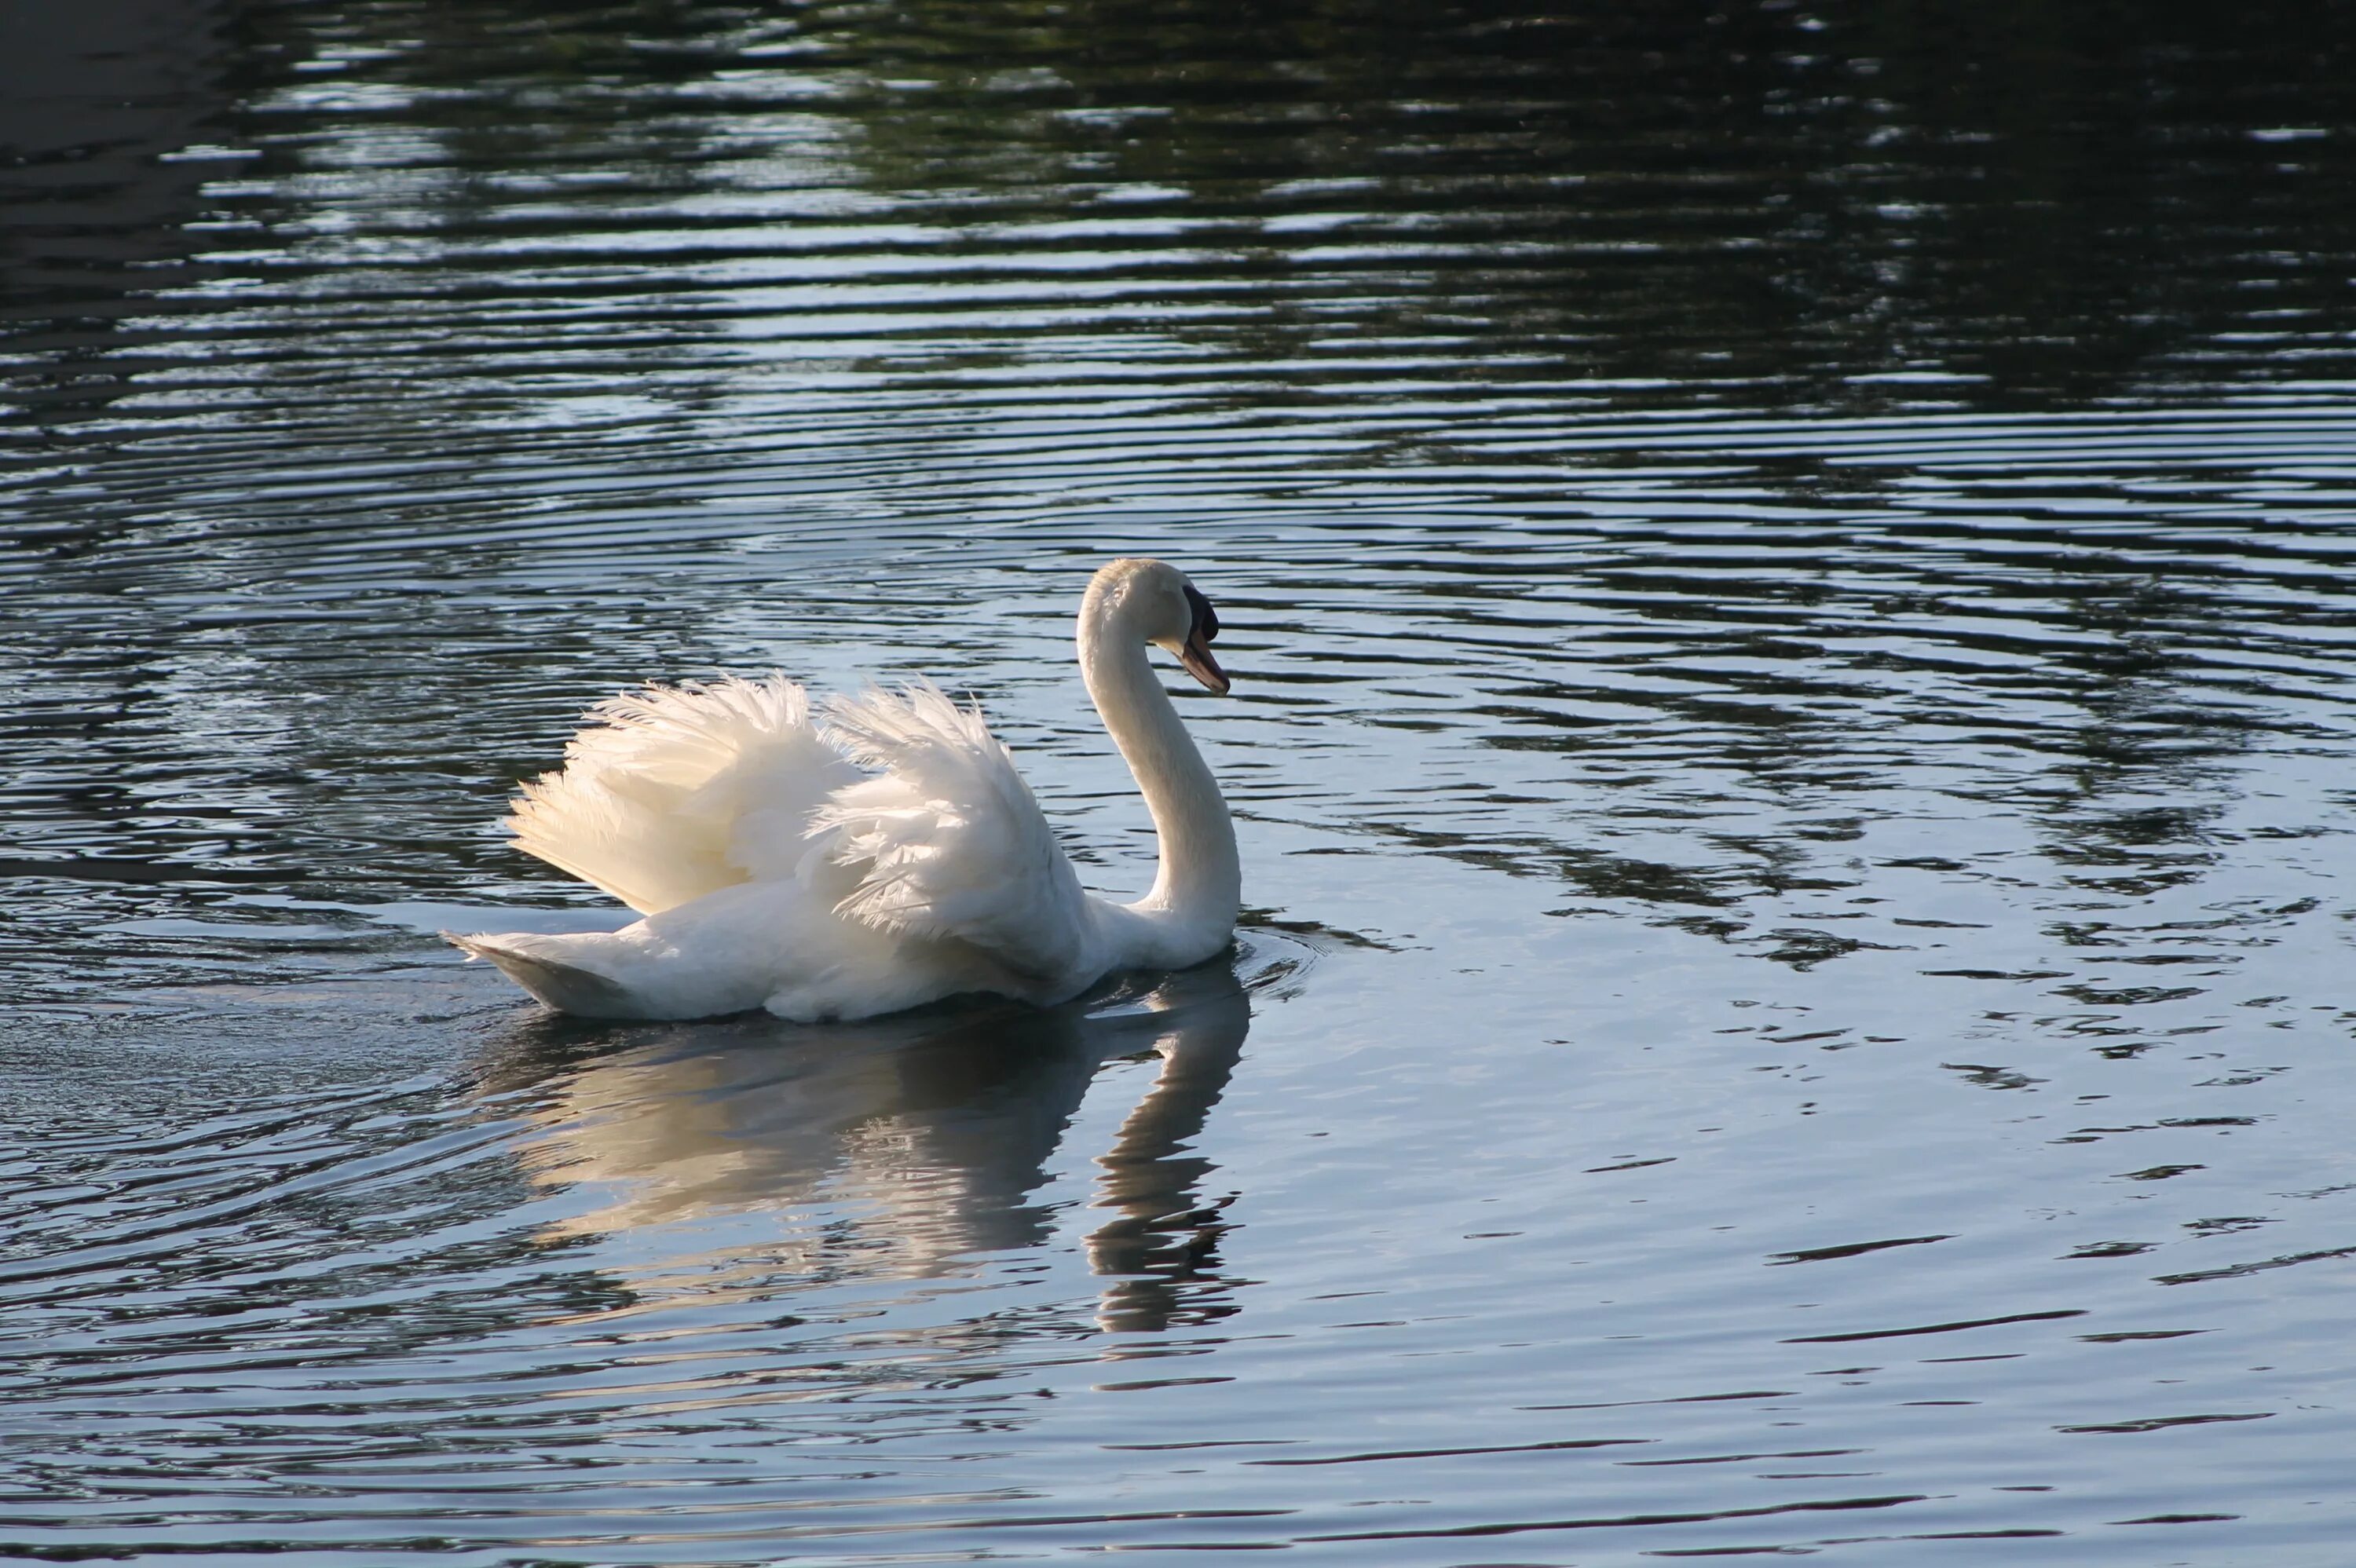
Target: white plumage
882, 853
675, 792
949, 839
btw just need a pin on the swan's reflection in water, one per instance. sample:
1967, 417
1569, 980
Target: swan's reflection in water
742, 1157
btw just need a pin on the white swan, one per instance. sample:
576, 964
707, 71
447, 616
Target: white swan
885, 854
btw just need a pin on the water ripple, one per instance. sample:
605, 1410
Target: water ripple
1793, 644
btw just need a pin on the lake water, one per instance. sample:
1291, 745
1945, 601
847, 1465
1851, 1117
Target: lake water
1791, 577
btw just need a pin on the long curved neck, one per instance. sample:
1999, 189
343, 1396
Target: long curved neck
1200, 884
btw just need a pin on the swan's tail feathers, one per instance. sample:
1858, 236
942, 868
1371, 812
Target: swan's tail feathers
671, 793
947, 839
538, 965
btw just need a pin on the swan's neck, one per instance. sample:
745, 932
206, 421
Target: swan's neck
1200, 883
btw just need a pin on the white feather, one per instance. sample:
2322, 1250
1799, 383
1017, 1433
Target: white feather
947, 838
671, 793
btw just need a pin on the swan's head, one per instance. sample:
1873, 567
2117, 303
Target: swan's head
1152, 600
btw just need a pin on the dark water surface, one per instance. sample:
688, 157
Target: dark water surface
1792, 576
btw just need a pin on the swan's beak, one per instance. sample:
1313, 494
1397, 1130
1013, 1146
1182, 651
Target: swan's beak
1196, 657
1195, 653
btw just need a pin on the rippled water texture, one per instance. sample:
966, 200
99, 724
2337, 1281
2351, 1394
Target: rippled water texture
1789, 577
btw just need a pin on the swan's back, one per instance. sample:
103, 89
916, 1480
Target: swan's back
887, 856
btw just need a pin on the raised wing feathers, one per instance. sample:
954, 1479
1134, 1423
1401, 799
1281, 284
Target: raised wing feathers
948, 838
671, 793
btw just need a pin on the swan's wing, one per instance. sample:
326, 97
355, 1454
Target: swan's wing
948, 838
671, 793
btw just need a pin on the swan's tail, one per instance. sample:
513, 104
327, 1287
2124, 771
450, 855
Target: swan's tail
539, 963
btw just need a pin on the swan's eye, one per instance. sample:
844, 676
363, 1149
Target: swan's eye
1206, 620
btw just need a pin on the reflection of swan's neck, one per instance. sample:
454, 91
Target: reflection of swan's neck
1197, 890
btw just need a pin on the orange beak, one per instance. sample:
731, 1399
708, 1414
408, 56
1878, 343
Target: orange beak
1195, 655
